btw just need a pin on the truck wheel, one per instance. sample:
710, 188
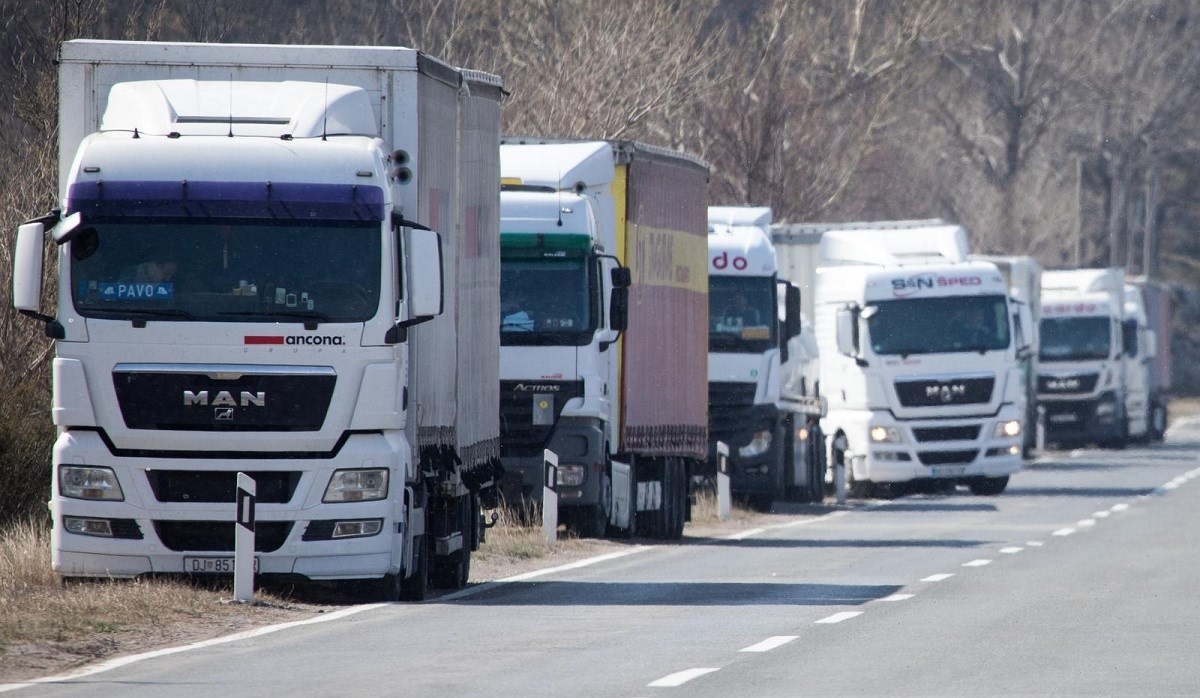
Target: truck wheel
987, 486
416, 587
679, 499
1158, 422
592, 521
816, 464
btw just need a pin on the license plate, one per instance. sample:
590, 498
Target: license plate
948, 471
211, 565
1061, 418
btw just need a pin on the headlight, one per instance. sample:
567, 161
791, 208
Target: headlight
357, 485
571, 475
88, 482
1106, 408
757, 446
881, 435
1007, 429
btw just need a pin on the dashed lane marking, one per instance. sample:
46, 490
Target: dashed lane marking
1034, 543
1086, 522
1102, 514
839, 617
937, 577
1063, 531
977, 563
1011, 550
681, 677
1121, 506
897, 597
770, 643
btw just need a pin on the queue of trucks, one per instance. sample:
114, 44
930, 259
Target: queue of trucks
324, 267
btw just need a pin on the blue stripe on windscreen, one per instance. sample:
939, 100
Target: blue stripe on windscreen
182, 199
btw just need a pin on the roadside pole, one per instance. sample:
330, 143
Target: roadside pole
550, 497
243, 540
724, 496
1040, 441
839, 470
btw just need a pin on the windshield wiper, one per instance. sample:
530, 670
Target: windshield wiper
126, 313
310, 315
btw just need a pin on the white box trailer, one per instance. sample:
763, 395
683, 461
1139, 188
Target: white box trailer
226, 139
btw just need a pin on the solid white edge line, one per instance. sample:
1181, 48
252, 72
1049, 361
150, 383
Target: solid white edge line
244, 635
681, 677
937, 577
838, 617
897, 597
770, 643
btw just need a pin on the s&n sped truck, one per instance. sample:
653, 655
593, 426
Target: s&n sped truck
603, 328
919, 360
248, 282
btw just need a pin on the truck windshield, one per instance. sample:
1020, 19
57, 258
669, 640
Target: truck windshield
1076, 338
939, 325
742, 314
234, 271
546, 299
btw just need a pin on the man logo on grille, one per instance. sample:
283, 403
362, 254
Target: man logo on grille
946, 392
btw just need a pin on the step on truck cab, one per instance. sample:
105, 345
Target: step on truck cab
250, 281
919, 360
603, 329
753, 407
1082, 383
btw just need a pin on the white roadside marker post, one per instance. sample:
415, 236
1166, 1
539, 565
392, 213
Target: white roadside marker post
1040, 440
550, 497
839, 470
243, 540
724, 495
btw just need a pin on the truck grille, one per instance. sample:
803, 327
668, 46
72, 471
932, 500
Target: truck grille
525, 424
207, 486
947, 457
1085, 383
181, 398
966, 433
217, 536
728, 402
952, 391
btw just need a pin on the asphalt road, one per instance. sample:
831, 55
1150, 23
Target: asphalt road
1082, 579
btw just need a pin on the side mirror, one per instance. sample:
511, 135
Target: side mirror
847, 331
792, 311
618, 303
426, 293
27, 269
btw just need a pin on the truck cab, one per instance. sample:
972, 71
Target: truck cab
919, 361
1082, 382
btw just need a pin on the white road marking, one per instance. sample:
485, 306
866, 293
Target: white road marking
1034, 543
839, 617
1063, 532
1170, 486
1086, 522
1120, 507
1102, 514
746, 534
681, 677
937, 577
741, 535
897, 597
1012, 550
977, 563
770, 643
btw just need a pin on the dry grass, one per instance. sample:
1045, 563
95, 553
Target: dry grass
704, 509
39, 608
1183, 407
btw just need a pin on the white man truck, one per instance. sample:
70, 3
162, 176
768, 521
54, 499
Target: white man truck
1083, 383
248, 282
919, 360
603, 330
769, 423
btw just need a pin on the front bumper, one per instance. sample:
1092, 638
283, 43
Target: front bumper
154, 532
1076, 421
756, 474
576, 441
937, 449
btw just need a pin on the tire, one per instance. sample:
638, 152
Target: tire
1158, 422
592, 521
417, 586
816, 464
987, 486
